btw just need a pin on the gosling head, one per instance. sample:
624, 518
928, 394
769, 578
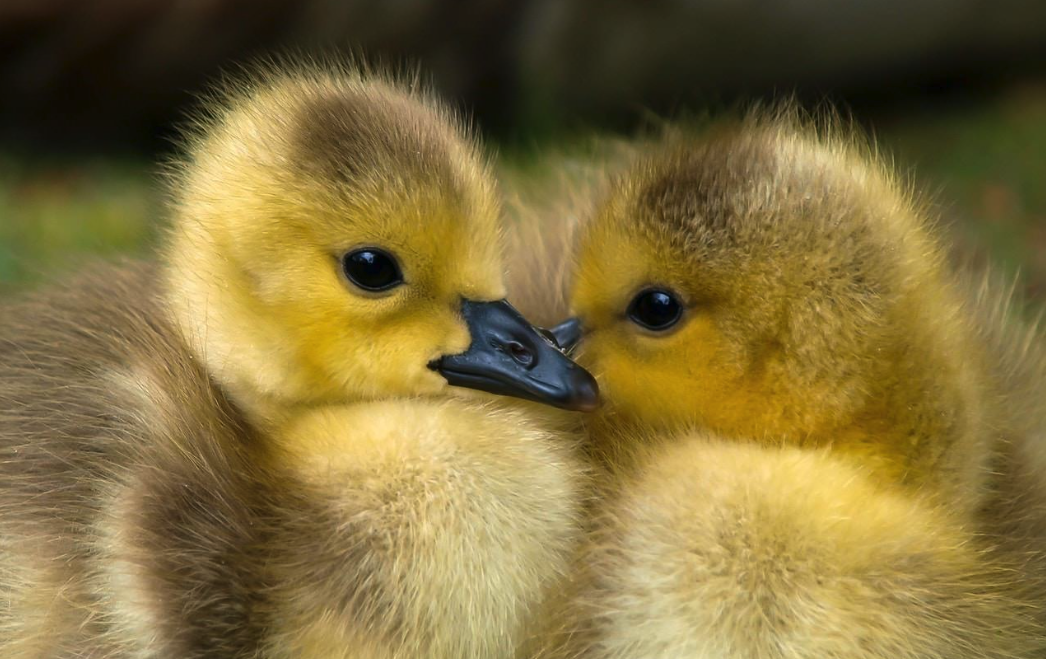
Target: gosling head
758, 281
335, 239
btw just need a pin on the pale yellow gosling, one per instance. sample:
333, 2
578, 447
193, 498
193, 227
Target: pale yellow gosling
817, 443
256, 451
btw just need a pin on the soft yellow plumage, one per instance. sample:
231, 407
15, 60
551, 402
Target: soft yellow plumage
822, 456
257, 452
295, 172
461, 516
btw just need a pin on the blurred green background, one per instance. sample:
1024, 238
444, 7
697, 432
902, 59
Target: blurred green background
92, 92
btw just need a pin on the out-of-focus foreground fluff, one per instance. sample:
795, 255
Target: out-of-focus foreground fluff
246, 451
819, 439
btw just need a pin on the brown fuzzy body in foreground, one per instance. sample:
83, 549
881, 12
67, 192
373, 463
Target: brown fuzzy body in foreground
129, 513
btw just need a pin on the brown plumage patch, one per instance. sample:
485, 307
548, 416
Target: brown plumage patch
702, 189
69, 439
340, 136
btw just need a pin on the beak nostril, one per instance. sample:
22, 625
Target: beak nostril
520, 353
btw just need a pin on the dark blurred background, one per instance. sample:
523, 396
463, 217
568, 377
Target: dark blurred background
955, 90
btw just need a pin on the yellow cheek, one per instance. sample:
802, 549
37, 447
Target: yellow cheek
692, 377
353, 354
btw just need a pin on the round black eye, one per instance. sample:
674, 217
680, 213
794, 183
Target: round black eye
655, 309
372, 269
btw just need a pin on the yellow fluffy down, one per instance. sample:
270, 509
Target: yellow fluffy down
467, 513
724, 550
865, 479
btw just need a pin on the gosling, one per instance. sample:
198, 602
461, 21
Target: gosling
817, 442
254, 448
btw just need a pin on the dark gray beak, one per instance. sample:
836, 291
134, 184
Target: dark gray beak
509, 357
567, 334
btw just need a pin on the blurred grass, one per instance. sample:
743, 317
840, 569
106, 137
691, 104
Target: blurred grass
983, 163
985, 168
55, 214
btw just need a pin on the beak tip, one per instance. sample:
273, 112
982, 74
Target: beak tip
586, 406
585, 392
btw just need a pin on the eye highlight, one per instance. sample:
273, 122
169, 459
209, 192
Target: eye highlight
655, 309
372, 269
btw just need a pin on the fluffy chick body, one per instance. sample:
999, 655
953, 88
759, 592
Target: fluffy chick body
718, 549
829, 454
459, 518
236, 455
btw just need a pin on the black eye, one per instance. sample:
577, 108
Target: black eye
655, 309
372, 269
